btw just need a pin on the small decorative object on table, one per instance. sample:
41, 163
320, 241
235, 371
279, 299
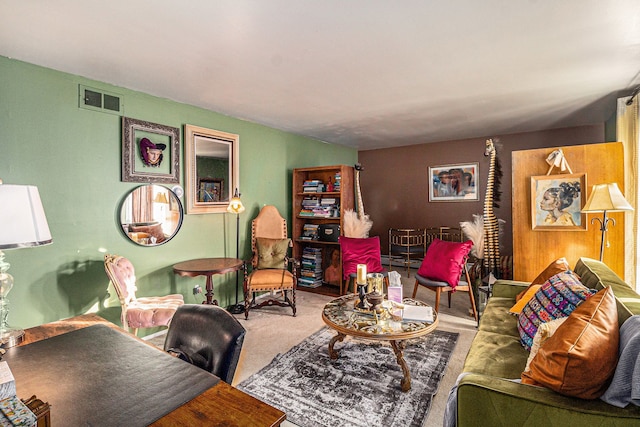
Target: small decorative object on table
375, 299
361, 282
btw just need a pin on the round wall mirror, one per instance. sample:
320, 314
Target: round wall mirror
151, 215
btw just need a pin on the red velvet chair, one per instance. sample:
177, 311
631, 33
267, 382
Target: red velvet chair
359, 251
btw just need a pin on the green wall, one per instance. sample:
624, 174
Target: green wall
73, 155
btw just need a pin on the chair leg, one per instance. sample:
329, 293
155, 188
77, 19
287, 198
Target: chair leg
438, 291
473, 304
449, 296
415, 290
408, 262
293, 299
349, 284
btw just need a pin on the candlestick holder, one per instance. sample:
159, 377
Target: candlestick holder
362, 293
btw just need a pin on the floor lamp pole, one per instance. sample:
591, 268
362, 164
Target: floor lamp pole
604, 222
237, 308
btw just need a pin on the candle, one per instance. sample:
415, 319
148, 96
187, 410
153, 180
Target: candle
362, 274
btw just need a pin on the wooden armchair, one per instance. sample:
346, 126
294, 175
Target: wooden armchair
270, 263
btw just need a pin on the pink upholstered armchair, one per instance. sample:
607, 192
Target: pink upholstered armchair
138, 313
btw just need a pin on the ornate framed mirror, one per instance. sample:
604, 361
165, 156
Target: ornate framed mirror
151, 215
212, 169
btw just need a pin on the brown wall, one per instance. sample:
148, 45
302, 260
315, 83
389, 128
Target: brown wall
395, 183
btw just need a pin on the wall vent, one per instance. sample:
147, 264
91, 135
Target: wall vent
98, 100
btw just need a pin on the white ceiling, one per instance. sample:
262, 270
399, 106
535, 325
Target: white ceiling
362, 73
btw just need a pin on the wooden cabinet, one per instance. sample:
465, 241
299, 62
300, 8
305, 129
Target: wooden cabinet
320, 197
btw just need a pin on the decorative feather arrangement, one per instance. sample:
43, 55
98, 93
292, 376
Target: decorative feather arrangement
474, 230
355, 225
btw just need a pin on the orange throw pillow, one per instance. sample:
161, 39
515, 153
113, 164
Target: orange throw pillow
528, 294
580, 358
557, 266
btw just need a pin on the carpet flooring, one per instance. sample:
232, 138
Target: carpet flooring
272, 331
361, 388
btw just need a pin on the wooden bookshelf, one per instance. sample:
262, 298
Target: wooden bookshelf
345, 199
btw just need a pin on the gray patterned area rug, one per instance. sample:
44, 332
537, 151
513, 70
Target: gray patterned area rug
360, 388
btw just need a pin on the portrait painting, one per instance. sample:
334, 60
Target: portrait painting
556, 201
453, 183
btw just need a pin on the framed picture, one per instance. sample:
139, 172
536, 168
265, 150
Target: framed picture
150, 152
556, 201
453, 183
210, 190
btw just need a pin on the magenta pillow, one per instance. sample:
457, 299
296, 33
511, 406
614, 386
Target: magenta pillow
360, 251
444, 261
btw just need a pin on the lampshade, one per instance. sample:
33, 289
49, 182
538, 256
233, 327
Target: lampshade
606, 197
22, 220
161, 198
235, 205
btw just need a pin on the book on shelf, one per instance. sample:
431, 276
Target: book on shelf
309, 283
311, 182
309, 232
328, 201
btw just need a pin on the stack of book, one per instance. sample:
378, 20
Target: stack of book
311, 270
318, 207
336, 182
308, 206
309, 232
313, 186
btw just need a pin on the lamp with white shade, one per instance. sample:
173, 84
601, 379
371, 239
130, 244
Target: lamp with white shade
23, 224
605, 198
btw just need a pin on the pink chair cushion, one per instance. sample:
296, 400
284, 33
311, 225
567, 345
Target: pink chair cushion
444, 261
360, 251
125, 278
147, 312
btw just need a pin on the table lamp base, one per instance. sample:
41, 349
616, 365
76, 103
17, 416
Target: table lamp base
11, 337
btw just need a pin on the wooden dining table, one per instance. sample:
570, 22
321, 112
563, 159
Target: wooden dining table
218, 404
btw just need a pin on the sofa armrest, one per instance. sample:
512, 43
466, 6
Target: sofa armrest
508, 403
508, 288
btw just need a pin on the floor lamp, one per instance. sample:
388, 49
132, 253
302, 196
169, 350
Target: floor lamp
236, 207
22, 224
605, 198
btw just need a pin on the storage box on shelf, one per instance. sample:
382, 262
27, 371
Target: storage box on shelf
320, 197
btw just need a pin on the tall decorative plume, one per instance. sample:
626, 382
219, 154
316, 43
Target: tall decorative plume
357, 224
474, 230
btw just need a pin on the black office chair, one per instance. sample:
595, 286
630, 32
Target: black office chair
208, 337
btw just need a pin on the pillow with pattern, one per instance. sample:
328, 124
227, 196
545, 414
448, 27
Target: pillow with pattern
558, 297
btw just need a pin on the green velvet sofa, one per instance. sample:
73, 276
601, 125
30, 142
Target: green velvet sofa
487, 395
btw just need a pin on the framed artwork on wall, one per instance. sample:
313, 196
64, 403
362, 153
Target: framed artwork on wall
556, 201
150, 152
210, 190
453, 183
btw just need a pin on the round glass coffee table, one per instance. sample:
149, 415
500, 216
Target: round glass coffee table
342, 316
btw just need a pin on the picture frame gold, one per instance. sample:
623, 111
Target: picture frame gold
556, 202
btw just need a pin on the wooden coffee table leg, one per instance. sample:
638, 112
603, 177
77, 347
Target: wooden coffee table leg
398, 348
332, 353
